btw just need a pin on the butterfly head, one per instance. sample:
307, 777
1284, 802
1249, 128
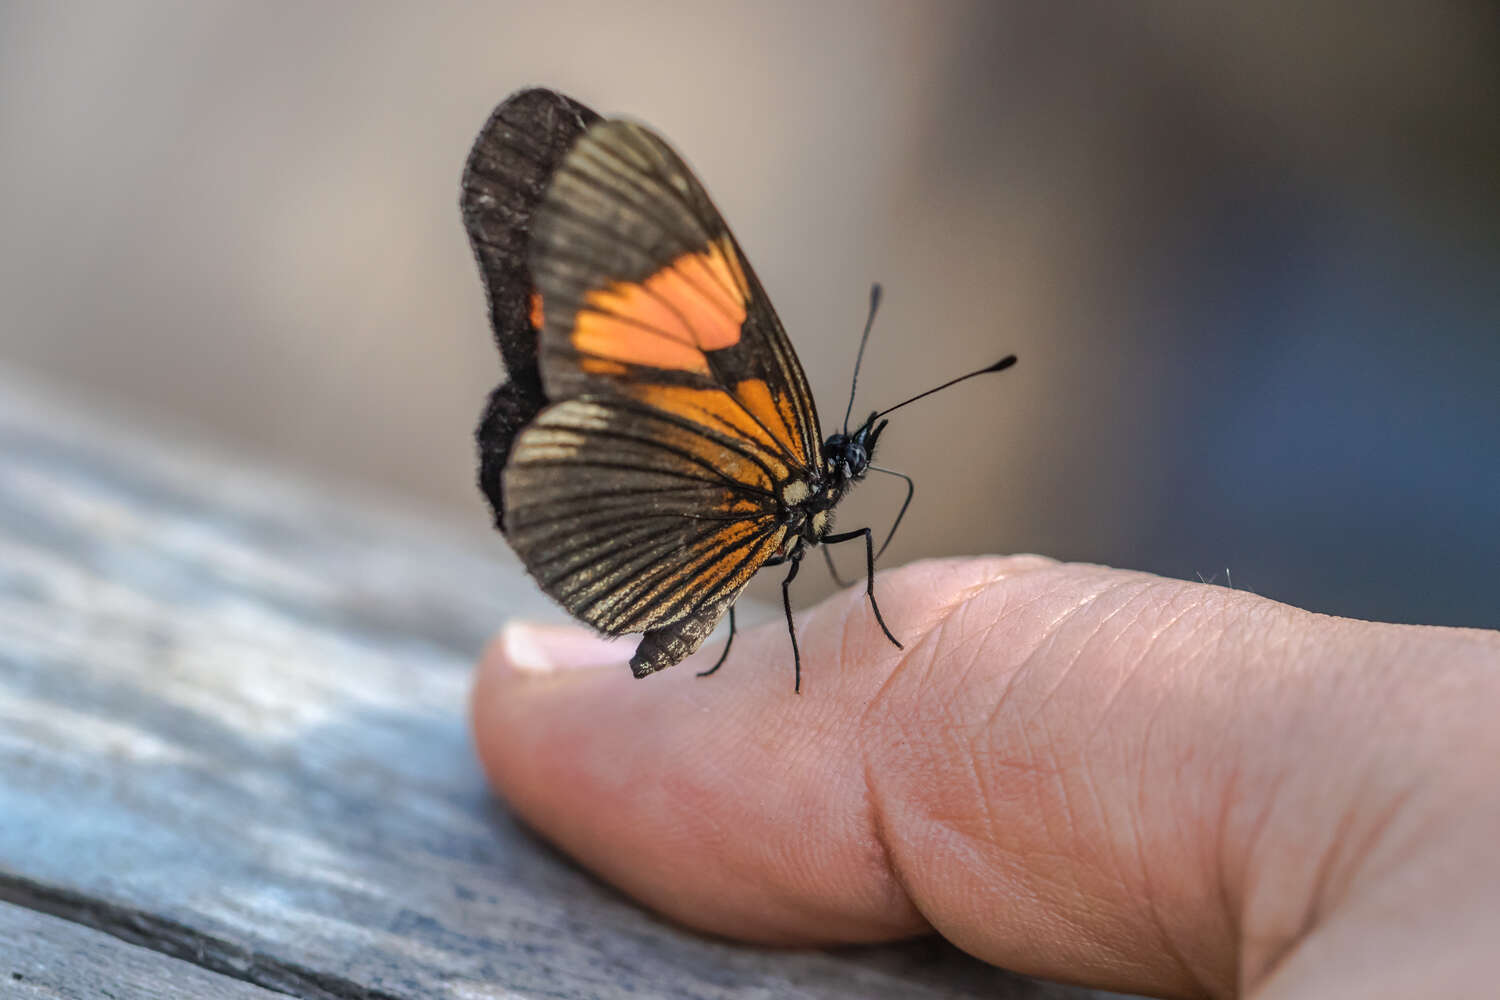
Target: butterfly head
847, 455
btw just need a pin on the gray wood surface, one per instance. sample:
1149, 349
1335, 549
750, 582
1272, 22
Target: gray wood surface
45, 958
232, 731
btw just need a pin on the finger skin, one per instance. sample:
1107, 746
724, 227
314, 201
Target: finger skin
1071, 771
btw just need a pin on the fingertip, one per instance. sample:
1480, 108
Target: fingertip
529, 648
511, 691
724, 802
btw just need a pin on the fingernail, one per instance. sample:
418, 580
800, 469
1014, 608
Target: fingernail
545, 649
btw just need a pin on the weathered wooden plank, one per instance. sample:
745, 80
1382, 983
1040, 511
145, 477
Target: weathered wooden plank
232, 728
44, 958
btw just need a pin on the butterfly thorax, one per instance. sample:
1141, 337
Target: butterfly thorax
807, 506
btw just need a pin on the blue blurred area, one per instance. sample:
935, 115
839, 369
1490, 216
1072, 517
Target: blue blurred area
1335, 379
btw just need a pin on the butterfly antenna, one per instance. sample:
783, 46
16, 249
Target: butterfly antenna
998, 366
860, 357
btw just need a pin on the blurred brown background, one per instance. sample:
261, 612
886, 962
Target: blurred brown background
1248, 257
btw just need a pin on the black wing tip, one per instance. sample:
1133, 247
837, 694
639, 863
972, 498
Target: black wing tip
528, 109
508, 167
528, 104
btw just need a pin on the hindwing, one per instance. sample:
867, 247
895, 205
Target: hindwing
634, 520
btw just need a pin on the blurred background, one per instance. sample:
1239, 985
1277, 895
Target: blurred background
1248, 256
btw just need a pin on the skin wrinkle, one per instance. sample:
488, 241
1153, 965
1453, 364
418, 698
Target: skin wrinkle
878, 706
881, 701
869, 878
875, 813
1054, 630
878, 702
1252, 941
1129, 673
991, 823
1228, 795
1326, 898
1055, 904
1317, 909
1003, 699
1175, 643
1035, 564
1045, 772
976, 633
1335, 844
846, 644
1198, 665
1057, 775
1141, 604
1217, 748
1049, 633
1220, 617
1268, 939
1120, 955
1235, 878
1153, 911
1070, 810
960, 603
1074, 833
934, 635
1138, 591
1424, 830
1102, 813
1333, 885
971, 736
888, 918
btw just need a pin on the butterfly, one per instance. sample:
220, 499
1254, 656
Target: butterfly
655, 442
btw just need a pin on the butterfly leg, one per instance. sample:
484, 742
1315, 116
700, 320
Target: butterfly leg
786, 603
911, 490
849, 536
724, 655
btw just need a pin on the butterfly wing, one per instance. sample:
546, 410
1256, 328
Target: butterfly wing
651, 490
514, 157
642, 285
637, 522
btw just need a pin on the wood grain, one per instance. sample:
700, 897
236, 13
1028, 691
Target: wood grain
44, 958
232, 730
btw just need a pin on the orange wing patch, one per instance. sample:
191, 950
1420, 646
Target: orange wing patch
774, 412
748, 467
537, 316
748, 416
602, 366
694, 304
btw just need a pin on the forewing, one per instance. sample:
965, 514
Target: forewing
643, 288
634, 520
505, 178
